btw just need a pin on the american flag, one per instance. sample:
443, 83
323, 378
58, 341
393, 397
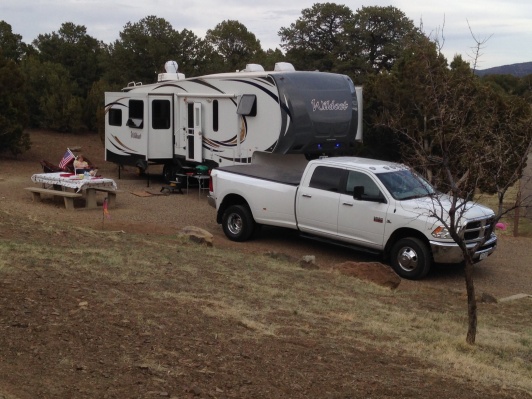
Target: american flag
69, 156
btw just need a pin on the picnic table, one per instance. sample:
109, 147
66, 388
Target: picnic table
61, 182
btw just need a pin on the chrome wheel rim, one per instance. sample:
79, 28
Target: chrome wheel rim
234, 224
407, 259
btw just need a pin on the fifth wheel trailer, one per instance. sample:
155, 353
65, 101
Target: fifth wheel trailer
222, 119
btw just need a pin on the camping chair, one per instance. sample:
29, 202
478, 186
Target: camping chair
48, 167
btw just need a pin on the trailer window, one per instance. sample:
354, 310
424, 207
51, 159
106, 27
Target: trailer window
115, 117
136, 114
160, 114
247, 105
215, 115
328, 179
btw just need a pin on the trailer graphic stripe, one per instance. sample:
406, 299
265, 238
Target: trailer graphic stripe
110, 105
171, 85
284, 106
123, 145
258, 86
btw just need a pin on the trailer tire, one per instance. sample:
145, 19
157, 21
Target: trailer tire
411, 258
238, 223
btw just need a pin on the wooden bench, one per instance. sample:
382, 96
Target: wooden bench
111, 195
68, 196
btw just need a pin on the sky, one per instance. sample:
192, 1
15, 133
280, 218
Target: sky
504, 25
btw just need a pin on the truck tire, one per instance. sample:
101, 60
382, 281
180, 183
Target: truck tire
238, 223
411, 258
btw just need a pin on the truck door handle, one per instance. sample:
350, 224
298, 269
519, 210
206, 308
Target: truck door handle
348, 203
307, 195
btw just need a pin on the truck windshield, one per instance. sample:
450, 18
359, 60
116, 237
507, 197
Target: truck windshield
404, 184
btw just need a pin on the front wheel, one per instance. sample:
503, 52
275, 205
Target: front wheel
410, 258
238, 223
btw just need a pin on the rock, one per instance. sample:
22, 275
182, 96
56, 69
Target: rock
197, 235
487, 298
194, 391
308, 262
375, 272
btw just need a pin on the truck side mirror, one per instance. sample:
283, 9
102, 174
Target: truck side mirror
358, 192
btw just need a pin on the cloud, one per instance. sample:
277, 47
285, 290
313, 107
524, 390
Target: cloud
507, 23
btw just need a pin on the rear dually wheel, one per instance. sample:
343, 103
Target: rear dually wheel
238, 223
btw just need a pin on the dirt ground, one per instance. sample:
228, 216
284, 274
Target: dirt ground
207, 369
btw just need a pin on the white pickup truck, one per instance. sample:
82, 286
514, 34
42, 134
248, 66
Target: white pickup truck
368, 204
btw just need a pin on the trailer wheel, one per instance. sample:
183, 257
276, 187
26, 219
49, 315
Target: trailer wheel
238, 223
410, 258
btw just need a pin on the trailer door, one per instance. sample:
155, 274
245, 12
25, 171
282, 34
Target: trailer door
126, 128
161, 127
194, 133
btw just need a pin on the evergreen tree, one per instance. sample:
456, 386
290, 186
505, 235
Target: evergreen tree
77, 52
13, 113
320, 38
143, 49
235, 45
11, 44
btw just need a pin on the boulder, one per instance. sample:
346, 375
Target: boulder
197, 235
487, 298
375, 272
308, 262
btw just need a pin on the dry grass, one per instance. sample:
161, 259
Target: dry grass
279, 299
491, 201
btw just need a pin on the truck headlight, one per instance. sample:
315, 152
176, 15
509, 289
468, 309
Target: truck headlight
441, 232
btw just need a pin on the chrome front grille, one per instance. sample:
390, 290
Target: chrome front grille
478, 229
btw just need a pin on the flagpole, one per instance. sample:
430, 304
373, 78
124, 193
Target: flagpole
105, 209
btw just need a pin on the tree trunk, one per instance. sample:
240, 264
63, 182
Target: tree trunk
471, 302
517, 209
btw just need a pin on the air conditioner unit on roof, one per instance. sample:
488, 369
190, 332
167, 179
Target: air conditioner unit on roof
254, 68
284, 66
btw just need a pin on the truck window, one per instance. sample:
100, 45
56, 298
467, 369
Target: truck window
405, 184
136, 114
371, 191
115, 117
327, 178
160, 114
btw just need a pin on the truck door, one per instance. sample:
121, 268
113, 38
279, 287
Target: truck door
318, 201
362, 220
161, 127
194, 133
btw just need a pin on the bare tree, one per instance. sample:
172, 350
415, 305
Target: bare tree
480, 44
464, 137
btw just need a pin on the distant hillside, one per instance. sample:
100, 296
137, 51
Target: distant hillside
519, 70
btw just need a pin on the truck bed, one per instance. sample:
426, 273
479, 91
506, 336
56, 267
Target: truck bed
286, 169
